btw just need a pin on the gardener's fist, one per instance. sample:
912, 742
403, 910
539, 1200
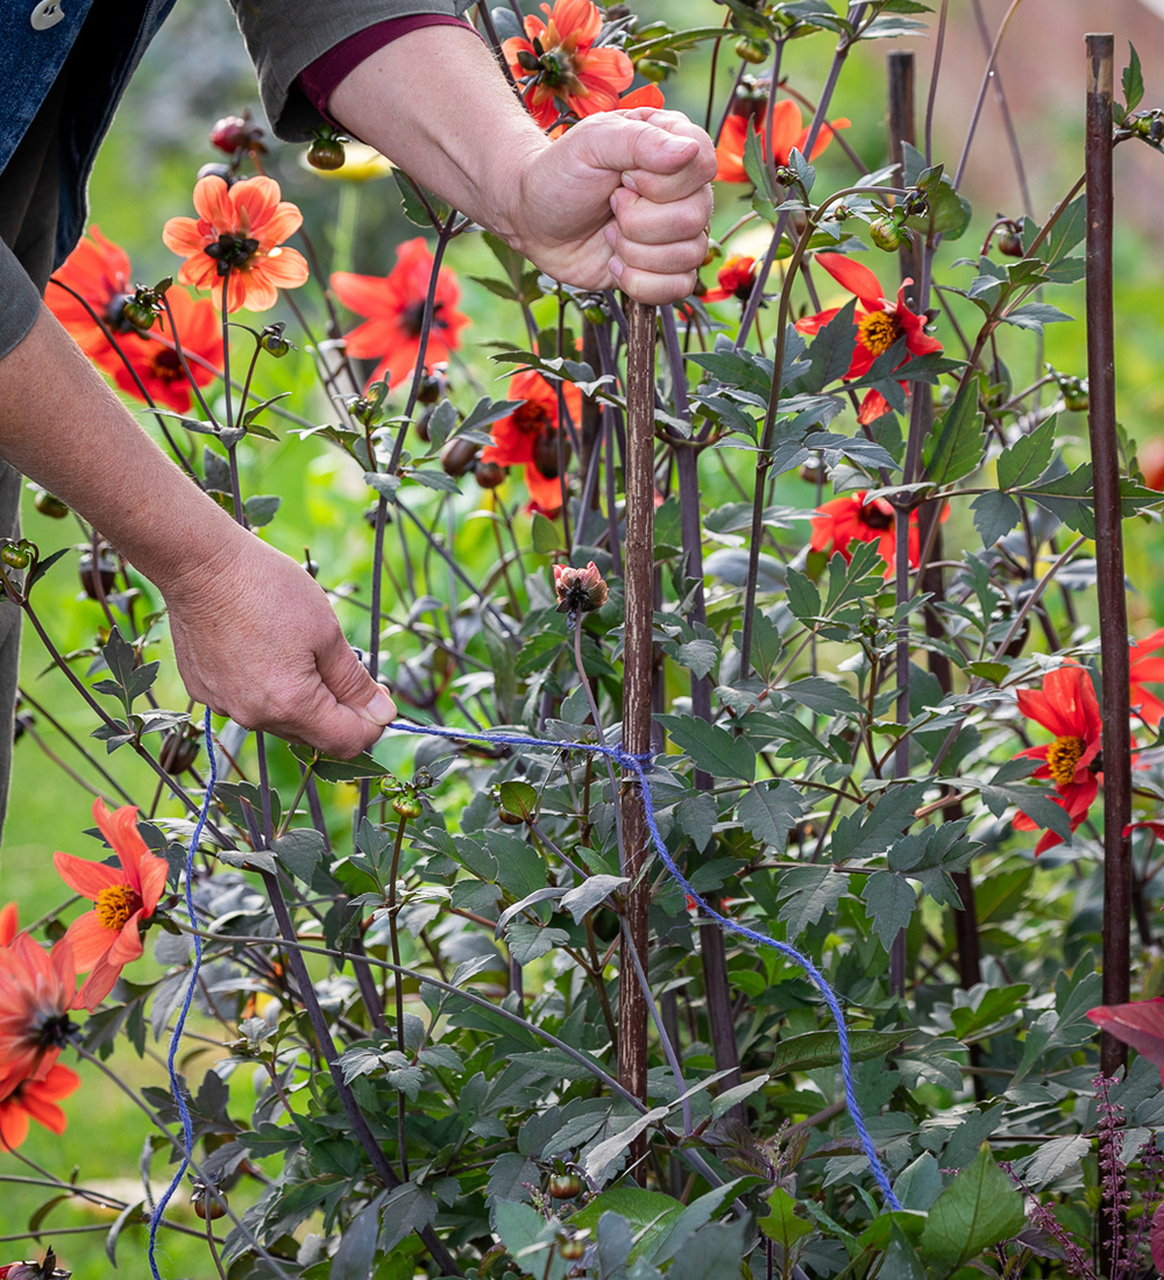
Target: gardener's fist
621, 200
256, 639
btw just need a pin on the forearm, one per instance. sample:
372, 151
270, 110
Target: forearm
61, 425
460, 130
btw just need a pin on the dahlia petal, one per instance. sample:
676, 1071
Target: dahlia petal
786, 125
84, 877
729, 152
284, 268
544, 492
814, 324
199, 272
182, 236
212, 202
855, 277
127, 946
9, 923
825, 136
649, 95
89, 939
283, 223
98, 985
13, 1124
362, 294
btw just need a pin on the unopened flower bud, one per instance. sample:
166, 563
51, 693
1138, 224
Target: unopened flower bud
545, 452
595, 314
272, 341
749, 49
579, 590
105, 573
46, 1270
207, 1203
886, 234
489, 474
458, 455
216, 170
1010, 243
1075, 394
236, 133
48, 504
786, 175
649, 69
407, 807
15, 556
433, 385
327, 150
179, 749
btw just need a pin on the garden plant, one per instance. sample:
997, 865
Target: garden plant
763, 877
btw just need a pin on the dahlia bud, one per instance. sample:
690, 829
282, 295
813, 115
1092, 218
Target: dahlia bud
48, 504
105, 571
655, 72
1010, 244
752, 50
179, 749
207, 1202
579, 590
46, 1270
15, 555
271, 340
458, 455
434, 384
489, 474
886, 234
216, 170
233, 134
327, 151
545, 452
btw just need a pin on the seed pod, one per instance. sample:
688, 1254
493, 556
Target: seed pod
751, 50
572, 1249
106, 570
545, 452
489, 474
15, 556
236, 133
327, 150
207, 1203
458, 455
565, 1186
511, 820
407, 807
1010, 244
50, 505
179, 750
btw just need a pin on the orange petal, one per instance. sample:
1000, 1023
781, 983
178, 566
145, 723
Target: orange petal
9, 923
855, 277
84, 877
182, 235
89, 939
786, 121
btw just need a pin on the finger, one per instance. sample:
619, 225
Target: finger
353, 688
663, 164
645, 222
647, 286
677, 257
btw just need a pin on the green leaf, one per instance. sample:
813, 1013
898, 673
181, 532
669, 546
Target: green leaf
816, 1049
300, 851
995, 515
980, 1208
519, 798
1026, 460
1033, 315
811, 892
958, 438
891, 900
781, 1223
696, 817
328, 769
589, 894
260, 509
769, 811
547, 538
357, 1248
713, 749
431, 478
821, 695
651, 1215
803, 596
1133, 79
857, 836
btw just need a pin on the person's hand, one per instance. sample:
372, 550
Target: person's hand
256, 639
621, 200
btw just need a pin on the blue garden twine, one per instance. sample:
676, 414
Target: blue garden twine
176, 1036
639, 765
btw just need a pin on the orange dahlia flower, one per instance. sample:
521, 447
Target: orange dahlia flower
528, 437
37, 990
107, 938
394, 307
880, 323
788, 134
239, 232
737, 278
1144, 670
850, 518
36, 1100
1139, 1024
1067, 706
560, 67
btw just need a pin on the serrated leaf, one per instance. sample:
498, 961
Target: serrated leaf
357, 1248
713, 749
813, 891
823, 696
1054, 1158
328, 769
1132, 79
769, 811
858, 836
300, 851
1026, 460
1034, 315
980, 1208
431, 478
781, 1223
995, 515
891, 900
803, 595
260, 508
959, 438
589, 894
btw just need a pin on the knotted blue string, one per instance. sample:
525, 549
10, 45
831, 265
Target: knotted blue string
639, 766
176, 1035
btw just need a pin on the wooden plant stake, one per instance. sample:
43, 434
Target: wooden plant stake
639, 559
1109, 548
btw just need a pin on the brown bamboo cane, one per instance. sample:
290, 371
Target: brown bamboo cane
1109, 549
639, 558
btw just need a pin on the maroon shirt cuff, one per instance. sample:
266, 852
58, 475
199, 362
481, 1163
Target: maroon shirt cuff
320, 79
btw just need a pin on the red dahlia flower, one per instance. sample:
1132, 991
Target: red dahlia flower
99, 271
558, 64
394, 307
850, 518
880, 323
1067, 706
37, 990
109, 937
737, 279
1144, 670
36, 1100
239, 230
788, 134
198, 331
529, 436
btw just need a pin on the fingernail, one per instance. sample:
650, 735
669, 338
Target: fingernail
610, 231
616, 268
629, 182
380, 708
673, 146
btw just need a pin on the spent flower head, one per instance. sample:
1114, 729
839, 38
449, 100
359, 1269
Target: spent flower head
579, 590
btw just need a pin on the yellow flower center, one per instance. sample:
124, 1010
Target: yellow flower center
114, 906
1062, 757
878, 332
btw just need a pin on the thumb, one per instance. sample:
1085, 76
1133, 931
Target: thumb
624, 145
351, 685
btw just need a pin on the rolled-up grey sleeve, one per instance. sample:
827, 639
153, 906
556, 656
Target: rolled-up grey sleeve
19, 301
285, 36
